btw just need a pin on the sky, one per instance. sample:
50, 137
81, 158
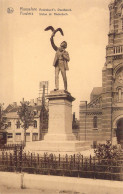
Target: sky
26, 55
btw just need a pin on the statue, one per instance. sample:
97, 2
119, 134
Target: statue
61, 58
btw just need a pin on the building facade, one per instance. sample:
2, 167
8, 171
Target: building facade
35, 132
102, 117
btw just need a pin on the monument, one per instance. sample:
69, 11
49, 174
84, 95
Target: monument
60, 138
60, 101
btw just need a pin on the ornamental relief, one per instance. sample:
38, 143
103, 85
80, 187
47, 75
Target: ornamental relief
94, 113
96, 104
118, 56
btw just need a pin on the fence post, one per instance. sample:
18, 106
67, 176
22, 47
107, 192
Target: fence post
74, 159
22, 181
38, 159
49, 160
3, 158
78, 166
7, 159
10, 160
31, 159
15, 157
82, 161
111, 163
20, 158
59, 160
94, 168
82, 164
66, 162
90, 160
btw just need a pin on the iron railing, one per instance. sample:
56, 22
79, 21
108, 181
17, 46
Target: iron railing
68, 165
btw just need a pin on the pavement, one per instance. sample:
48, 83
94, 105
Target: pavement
16, 183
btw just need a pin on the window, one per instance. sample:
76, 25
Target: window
34, 136
10, 135
110, 18
18, 136
35, 124
27, 134
119, 94
95, 122
18, 124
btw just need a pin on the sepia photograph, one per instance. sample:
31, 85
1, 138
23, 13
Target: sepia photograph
61, 96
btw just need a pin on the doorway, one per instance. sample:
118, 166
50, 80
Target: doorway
119, 132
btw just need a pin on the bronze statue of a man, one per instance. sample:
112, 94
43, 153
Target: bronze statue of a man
61, 58
60, 62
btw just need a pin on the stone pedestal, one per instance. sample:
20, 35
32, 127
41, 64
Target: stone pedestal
60, 116
59, 138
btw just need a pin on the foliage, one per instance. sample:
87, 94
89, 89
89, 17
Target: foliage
26, 114
75, 125
107, 151
75, 122
3, 124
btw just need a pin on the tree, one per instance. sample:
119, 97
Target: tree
75, 122
3, 124
43, 118
26, 115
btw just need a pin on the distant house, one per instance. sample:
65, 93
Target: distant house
34, 132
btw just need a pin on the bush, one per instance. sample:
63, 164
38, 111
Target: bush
107, 152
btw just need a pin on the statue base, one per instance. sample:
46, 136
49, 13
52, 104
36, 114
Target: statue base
59, 138
57, 147
60, 116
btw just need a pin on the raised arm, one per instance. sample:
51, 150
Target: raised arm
53, 44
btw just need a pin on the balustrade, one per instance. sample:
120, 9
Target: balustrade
118, 49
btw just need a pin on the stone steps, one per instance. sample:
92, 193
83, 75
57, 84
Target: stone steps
58, 146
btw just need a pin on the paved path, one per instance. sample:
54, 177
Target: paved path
7, 190
10, 183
